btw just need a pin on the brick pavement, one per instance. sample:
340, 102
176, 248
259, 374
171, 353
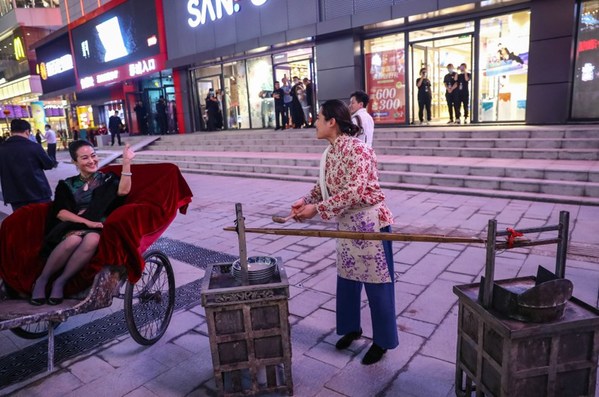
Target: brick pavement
422, 365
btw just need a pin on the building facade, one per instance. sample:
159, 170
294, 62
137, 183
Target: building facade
22, 23
530, 61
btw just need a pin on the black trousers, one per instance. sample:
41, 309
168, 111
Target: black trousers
424, 103
450, 104
52, 151
461, 99
280, 117
118, 135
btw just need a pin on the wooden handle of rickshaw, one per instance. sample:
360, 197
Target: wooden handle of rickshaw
432, 238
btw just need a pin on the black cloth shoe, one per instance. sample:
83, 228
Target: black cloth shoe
347, 339
37, 301
55, 301
373, 355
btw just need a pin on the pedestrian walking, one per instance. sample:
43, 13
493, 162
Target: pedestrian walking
349, 191
22, 165
114, 126
50, 136
38, 136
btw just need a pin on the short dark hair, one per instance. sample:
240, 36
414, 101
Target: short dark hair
361, 97
19, 125
338, 110
76, 145
277, 82
48, 126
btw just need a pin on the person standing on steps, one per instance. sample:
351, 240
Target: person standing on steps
349, 191
358, 102
424, 96
280, 115
462, 94
449, 81
114, 126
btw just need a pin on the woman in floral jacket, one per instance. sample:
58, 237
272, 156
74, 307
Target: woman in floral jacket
349, 191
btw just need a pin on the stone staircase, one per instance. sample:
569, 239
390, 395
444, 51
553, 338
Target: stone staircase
554, 163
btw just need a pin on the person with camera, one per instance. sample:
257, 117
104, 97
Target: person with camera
462, 95
424, 96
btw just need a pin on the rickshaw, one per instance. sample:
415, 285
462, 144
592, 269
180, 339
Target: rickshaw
122, 260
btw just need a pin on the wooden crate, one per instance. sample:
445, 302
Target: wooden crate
497, 356
249, 332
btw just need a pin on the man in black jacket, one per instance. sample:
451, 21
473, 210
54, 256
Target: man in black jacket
22, 165
114, 126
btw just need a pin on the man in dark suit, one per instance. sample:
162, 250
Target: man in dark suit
22, 165
114, 126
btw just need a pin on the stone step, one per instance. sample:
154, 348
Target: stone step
510, 153
518, 143
470, 132
525, 188
504, 183
564, 170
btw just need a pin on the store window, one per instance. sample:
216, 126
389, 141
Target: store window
503, 67
586, 74
384, 63
260, 87
5, 7
235, 96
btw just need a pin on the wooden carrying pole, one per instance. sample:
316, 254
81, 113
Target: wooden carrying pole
362, 235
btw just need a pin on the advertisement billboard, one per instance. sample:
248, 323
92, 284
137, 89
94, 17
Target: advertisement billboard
385, 81
586, 72
55, 64
110, 45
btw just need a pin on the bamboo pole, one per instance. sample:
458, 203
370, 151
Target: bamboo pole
432, 238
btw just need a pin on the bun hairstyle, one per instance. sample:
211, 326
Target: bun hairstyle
76, 145
338, 110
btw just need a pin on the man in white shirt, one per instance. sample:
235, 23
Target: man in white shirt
51, 142
358, 103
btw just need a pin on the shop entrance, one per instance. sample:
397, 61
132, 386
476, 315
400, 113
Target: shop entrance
298, 63
435, 55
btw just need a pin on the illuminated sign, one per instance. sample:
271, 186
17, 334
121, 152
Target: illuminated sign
202, 10
142, 67
131, 70
55, 66
87, 82
121, 35
107, 77
19, 49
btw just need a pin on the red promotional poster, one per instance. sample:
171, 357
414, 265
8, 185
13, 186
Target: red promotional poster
385, 82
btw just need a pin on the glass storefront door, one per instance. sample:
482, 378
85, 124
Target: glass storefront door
435, 56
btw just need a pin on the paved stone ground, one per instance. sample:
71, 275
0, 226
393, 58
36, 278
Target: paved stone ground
423, 364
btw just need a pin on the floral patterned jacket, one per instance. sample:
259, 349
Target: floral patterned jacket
352, 180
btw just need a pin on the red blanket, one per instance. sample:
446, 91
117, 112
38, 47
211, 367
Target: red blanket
158, 191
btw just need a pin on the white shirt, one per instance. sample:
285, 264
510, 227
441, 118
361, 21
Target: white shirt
367, 124
50, 136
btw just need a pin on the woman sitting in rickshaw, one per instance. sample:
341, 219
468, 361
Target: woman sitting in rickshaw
73, 227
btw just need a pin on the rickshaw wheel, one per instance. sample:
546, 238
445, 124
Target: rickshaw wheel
33, 331
149, 303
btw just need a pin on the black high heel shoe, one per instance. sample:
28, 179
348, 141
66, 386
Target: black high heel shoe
36, 301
